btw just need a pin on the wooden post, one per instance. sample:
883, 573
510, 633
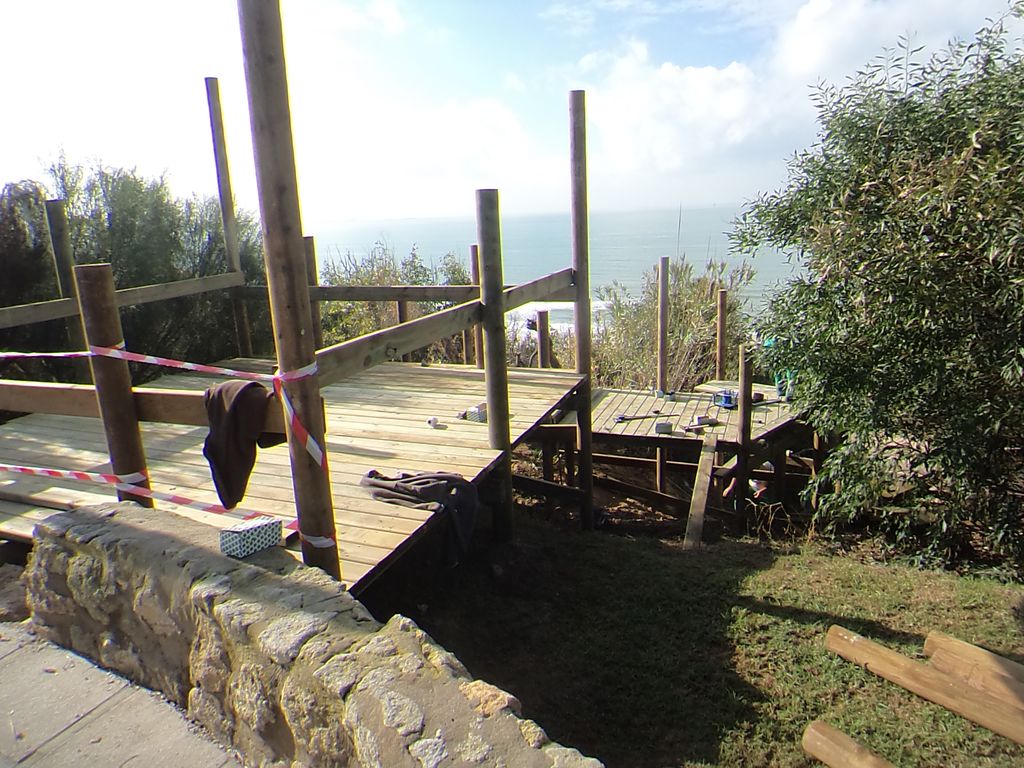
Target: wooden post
837, 750
742, 487
581, 268
662, 383
98, 306
64, 265
478, 330
780, 456
720, 331
467, 347
543, 340
313, 278
492, 297
267, 85
227, 212
403, 317
701, 487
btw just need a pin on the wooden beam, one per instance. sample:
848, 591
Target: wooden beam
741, 488
721, 337
102, 323
64, 263
837, 750
543, 340
979, 676
928, 683
537, 290
663, 272
456, 293
699, 499
312, 278
227, 213
341, 360
972, 654
25, 314
478, 329
581, 278
532, 486
402, 308
270, 116
492, 299
667, 503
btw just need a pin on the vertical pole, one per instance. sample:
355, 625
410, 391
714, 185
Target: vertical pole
64, 265
478, 329
581, 273
663, 324
227, 212
98, 307
313, 278
661, 452
720, 331
779, 459
467, 347
267, 84
492, 296
403, 317
543, 340
742, 487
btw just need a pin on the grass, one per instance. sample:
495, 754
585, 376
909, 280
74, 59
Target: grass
642, 654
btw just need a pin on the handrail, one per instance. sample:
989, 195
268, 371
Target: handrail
40, 311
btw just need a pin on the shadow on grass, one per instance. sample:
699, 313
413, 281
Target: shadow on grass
617, 647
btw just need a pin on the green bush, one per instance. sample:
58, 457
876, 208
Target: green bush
906, 333
625, 334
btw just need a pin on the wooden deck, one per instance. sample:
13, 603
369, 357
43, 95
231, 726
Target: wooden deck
682, 412
375, 420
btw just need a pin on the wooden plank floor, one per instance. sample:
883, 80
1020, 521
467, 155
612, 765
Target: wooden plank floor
375, 420
682, 411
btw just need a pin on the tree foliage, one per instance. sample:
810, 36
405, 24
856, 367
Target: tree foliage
625, 336
148, 236
906, 333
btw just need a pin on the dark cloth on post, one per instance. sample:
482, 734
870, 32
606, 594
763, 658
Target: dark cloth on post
236, 411
432, 491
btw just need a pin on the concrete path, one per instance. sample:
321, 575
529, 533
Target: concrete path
58, 709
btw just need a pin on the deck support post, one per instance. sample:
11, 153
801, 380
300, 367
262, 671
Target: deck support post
64, 264
661, 471
581, 269
313, 278
98, 307
492, 297
720, 331
543, 340
227, 213
741, 489
478, 329
270, 115
402, 308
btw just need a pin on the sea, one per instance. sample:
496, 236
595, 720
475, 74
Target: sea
624, 245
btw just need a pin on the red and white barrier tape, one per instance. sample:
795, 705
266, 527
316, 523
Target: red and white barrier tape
294, 422
127, 484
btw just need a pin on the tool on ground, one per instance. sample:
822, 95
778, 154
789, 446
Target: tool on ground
623, 417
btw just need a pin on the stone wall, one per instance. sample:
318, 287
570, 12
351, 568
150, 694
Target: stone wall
273, 658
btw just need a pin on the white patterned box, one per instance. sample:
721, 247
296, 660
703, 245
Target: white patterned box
249, 536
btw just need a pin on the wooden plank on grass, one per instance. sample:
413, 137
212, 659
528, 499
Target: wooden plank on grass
834, 748
701, 486
968, 652
928, 683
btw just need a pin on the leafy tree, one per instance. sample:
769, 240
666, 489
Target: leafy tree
906, 333
625, 337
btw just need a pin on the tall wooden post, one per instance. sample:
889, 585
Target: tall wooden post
663, 272
269, 113
98, 307
478, 329
720, 333
313, 278
227, 212
543, 340
492, 296
742, 487
581, 274
64, 265
403, 317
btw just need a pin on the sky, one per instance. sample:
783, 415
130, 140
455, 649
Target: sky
402, 108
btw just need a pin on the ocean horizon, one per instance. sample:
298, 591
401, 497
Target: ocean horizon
624, 245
